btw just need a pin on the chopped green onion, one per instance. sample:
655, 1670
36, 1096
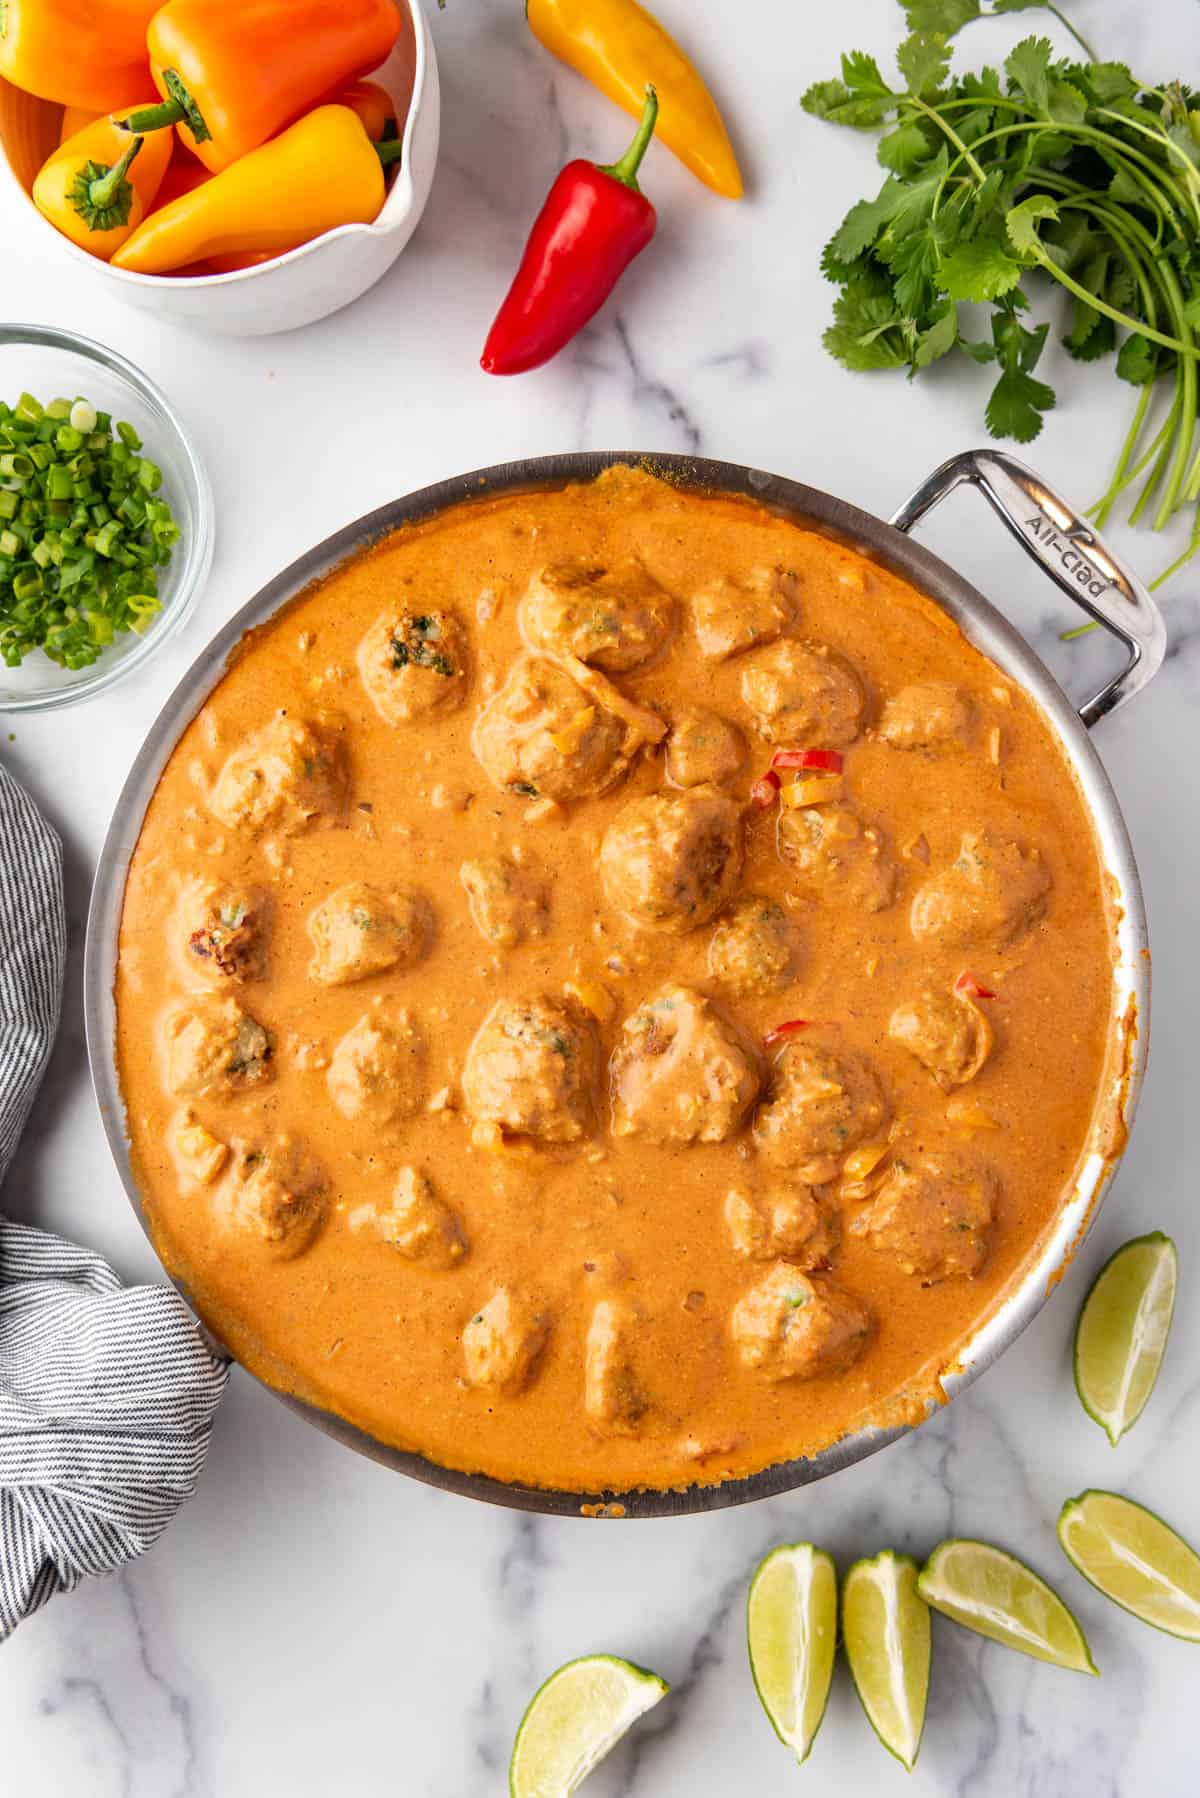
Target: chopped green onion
83, 417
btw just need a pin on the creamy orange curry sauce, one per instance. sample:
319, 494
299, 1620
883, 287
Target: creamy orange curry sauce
519, 1069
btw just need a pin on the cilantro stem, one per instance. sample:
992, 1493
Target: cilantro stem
1118, 483
1160, 580
1077, 35
948, 130
1047, 262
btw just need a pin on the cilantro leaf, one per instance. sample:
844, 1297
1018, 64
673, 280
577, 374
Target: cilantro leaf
938, 340
904, 149
980, 270
834, 102
1137, 360
1028, 71
861, 74
863, 334
1021, 223
944, 16
924, 62
1016, 405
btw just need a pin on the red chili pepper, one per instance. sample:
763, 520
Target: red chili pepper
969, 987
829, 761
764, 792
594, 222
781, 1031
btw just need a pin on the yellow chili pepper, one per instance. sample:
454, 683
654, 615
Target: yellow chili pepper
321, 173
98, 186
620, 48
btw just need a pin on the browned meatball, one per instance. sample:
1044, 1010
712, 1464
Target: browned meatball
946, 1032
503, 1342
362, 930
377, 1070
791, 1327
821, 1103
993, 892
414, 664
531, 1070
213, 1046
670, 861
613, 618
613, 1395
731, 616
932, 1213
930, 714
223, 931
279, 1195
804, 694
837, 858
754, 948
778, 1222
415, 1223
703, 748
543, 737
508, 898
281, 778
681, 1072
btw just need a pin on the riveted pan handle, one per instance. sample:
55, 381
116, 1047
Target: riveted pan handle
1069, 551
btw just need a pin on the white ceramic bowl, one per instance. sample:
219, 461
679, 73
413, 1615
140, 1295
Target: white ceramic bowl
293, 290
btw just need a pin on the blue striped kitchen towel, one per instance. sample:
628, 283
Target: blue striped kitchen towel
107, 1393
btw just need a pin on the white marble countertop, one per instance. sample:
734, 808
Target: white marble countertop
313, 1624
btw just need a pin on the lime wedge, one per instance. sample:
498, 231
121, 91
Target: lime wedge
987, 1590
1122, 1332
573, 1720
1135, 1559
791, 1632
885, 1630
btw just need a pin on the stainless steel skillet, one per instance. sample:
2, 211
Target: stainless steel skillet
1061, 541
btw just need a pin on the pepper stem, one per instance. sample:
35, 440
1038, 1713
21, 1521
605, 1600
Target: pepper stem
103, 197
102, 192
389, 150
152, 118
178, 108
626, 170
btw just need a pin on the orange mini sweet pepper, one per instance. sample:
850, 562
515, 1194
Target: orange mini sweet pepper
233, 76
320, 173
89, 53
98, 186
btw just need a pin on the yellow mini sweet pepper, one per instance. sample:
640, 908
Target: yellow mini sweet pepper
98, 186
620, 47
79, 52
321, 173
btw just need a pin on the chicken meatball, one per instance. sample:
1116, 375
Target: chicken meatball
612, 1394
613, 618
703, 749
508, 899
201, 1156
531, 1070
415, 1222
930, 714
992, 893
281, 778
223, 930
946, 1032
821, 1103
778, 1222
836, 857
681, 1072
543, 737
932, 1213
754, 947
377, 1070
803, 693
414, 665
279, 1195
213, 1046
732, 616
361, 930
670, 861
503, 1342
791, 1327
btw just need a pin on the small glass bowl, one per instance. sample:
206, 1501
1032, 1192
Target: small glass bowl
51, 365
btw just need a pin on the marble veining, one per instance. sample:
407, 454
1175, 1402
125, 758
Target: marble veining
313, 1625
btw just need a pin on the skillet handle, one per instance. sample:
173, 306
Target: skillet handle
1069, 551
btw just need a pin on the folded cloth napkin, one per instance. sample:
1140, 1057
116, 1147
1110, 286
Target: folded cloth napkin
107, 1393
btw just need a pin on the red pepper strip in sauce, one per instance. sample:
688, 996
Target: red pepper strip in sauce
764, 792
594, 222
784, 1030
827, 761
969, 987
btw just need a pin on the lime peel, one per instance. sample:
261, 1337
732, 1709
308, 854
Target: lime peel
574, 1719
791, 1632
1121, 1336
990, 1591
1133, 1557
886, 1633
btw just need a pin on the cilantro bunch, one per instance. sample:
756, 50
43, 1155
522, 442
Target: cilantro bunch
1072, 171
